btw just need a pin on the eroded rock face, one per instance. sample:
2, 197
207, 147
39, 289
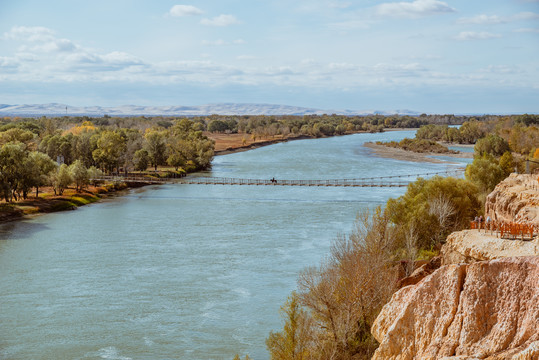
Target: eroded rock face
515, 199
469, 246
484, 310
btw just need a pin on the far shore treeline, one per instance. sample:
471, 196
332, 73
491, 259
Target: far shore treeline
59, 151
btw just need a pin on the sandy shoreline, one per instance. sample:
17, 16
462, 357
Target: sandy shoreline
400, 154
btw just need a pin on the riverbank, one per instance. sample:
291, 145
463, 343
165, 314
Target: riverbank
400, 154
47, 202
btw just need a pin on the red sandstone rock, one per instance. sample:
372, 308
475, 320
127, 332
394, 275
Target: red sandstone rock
485, 310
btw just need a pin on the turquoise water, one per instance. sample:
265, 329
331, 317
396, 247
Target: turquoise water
183, 271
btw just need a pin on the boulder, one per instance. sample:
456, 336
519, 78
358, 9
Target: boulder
484, 310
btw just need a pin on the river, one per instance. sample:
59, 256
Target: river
184, 271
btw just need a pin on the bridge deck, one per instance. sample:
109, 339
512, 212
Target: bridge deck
382, 181
260, 182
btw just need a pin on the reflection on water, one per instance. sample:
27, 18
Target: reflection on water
183, 271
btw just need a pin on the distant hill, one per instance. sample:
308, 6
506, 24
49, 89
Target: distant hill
54, 109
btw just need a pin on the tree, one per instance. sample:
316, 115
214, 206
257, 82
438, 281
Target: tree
294, 341
42, 165
470, 132
79, 174
345, 294
415, 209
176, 150
12, 160
110, 147
155, 147
61, 179
93, 174
217, 126
507, 163
141, 160
491, 144
485, 172
443, 209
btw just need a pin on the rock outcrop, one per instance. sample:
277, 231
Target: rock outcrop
484, 310
469, 246
515, 199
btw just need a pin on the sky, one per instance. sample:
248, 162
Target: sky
433, 56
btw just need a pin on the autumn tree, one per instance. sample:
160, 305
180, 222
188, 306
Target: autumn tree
491, 144
294, 342
110, 147
345, 294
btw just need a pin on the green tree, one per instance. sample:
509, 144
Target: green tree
12, 170
470, 132
79, 174
61, 179
507, 163
155, 146
41, 166
217, 126
294, 341
415, 209
16, 135
485, 172
93, 174
491, 144
141, 160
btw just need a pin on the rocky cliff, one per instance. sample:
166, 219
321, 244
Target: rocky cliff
483, 302
516, 199
484, 310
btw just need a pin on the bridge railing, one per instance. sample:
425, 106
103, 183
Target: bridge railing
288, 182
142, 179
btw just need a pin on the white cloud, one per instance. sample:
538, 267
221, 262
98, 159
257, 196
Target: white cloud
472, 35
62, 45
185, 10
414, 9
221, 20
121, 58
495, 19
25, 33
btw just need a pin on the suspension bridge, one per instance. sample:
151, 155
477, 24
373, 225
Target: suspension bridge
380, 181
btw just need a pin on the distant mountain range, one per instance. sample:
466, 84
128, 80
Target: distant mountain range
54, 109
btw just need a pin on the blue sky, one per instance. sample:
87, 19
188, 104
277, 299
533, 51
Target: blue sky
425, 55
